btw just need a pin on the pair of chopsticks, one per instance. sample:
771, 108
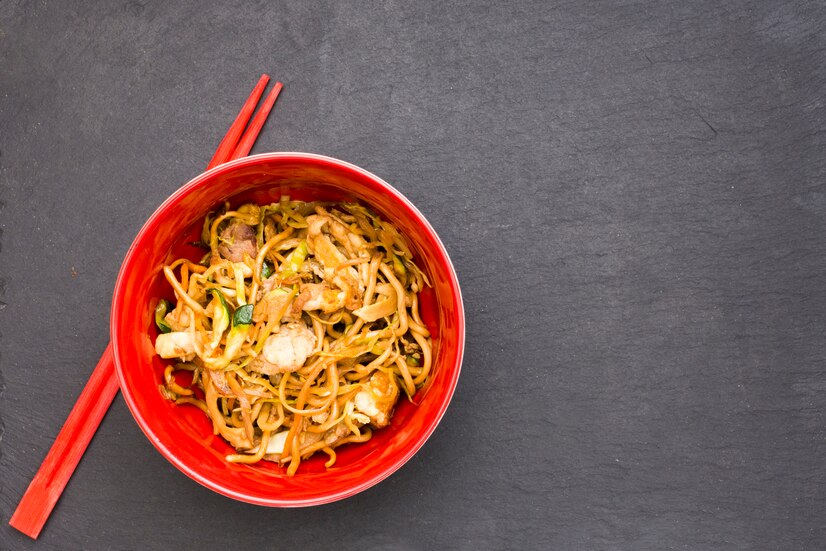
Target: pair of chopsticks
54, 473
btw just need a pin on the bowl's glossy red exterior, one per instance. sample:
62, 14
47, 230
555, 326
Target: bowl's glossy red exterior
182, 433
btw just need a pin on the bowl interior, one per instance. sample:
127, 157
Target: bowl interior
182, 433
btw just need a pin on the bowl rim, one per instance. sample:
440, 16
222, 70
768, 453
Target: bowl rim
145, 426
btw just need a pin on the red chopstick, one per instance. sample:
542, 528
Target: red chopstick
245, 145
68, 447
227, 146
71, 442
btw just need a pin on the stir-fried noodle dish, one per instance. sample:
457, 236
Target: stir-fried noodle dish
300, 328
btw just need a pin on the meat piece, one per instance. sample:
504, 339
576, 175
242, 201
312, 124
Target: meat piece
325, 251
178, 319
335, 434
377, 400
178, 344
331, 260
318, 296
271, 305
285, 351
236, 240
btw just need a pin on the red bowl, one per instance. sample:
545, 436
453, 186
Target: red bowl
183, 434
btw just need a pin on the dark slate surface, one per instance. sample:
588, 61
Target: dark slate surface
632, 193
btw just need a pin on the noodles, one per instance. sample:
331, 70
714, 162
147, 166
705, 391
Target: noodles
300, 328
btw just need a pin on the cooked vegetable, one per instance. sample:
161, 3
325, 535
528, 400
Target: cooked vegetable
243, 316
220, 316
160, 313
294, 260
266, 270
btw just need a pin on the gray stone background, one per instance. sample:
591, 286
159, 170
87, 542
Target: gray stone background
633, 196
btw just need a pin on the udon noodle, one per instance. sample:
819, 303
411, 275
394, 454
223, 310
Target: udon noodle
300, 328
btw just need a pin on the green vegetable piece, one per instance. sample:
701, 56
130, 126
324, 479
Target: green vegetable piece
412, 361
266, 270
243, 315
220, 320
398, 266
161, 309
235, 339
294, 260
206, 228
220, 296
